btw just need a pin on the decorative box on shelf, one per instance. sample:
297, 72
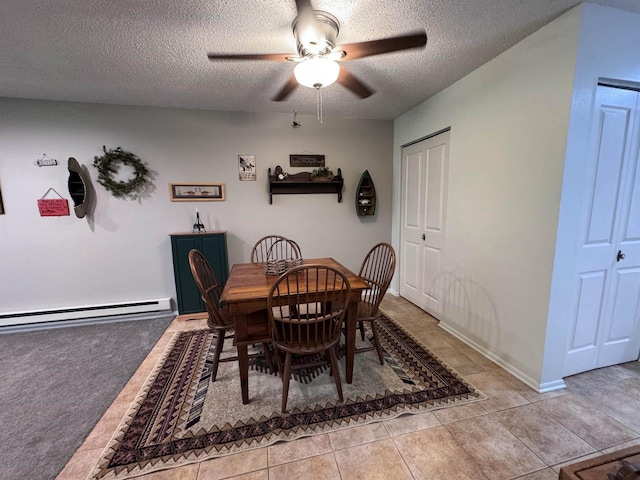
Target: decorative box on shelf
303, 183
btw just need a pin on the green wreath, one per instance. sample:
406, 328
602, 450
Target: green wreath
107, 167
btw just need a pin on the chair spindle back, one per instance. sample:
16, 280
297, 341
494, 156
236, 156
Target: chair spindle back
209, 286
314, 328
274, 247
377, 270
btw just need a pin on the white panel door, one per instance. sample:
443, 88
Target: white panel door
423, 208
606, 319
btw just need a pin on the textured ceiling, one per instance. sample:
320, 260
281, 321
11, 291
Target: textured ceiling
153, 52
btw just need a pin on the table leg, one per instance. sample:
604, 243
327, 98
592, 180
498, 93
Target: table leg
352, 314
241, 338
243, 367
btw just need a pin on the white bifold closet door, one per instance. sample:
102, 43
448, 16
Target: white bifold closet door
423, 212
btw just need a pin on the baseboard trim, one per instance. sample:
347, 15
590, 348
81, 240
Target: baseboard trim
552, 386
85, 312
538, 387
31, 327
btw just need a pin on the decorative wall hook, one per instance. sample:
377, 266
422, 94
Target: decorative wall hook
295, 124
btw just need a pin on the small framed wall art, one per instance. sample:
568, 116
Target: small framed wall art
308, 160
196, 192
247, 168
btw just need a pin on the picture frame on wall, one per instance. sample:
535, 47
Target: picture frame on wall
196, 192
1, 204
247, 168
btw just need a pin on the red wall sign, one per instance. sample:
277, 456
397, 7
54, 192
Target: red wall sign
58, 207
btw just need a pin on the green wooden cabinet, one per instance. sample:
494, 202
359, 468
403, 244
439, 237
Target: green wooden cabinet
214, 247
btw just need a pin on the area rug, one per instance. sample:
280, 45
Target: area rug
181, 417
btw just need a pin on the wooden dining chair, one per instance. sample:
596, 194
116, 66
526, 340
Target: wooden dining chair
219, 320
284, 249
262, 247
312, 332
377, 270
274, 247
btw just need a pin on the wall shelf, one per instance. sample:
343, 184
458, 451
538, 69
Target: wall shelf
366, 196
301, 183
77, 185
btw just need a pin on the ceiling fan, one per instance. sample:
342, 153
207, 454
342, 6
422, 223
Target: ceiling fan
316, 34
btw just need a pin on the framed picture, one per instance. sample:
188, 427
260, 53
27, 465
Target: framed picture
306, 160
247, 168
1, 204
196, 192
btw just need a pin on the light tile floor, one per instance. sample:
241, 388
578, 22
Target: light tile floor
516, 433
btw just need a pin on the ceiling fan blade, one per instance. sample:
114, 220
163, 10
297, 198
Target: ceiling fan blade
384, 45
349, 81
286, 90
278, 57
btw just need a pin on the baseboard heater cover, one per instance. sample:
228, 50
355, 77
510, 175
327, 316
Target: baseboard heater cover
86, 311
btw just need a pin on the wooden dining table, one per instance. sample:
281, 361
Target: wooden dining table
246, 292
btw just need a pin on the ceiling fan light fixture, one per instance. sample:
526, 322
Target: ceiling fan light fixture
315, 33
317, 72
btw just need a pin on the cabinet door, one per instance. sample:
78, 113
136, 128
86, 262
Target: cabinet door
189, 300
214, 248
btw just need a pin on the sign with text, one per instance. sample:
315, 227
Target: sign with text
306, 160
57, 207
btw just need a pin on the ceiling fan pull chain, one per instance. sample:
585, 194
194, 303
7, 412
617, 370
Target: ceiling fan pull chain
319, 103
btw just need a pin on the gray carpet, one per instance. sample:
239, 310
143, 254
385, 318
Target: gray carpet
55, 385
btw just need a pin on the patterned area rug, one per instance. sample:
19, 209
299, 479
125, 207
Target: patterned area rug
180, 417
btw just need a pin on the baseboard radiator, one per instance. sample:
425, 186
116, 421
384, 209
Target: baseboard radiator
85, 311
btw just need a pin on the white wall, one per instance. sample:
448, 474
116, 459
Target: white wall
122, 252
608, 48
509, 121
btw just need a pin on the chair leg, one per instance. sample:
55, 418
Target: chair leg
376, 340
216, 355
286, 376
361, 325
267, 354
336, 372
279, 367
337, 350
